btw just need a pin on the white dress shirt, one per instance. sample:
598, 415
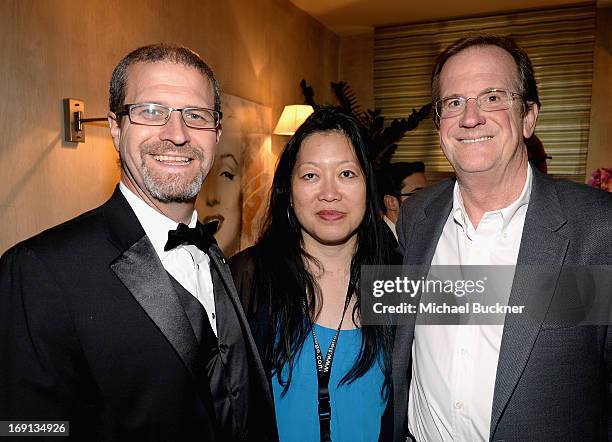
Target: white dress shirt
391, 225
454, 366
186, 263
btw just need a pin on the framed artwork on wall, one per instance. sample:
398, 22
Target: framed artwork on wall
236, 189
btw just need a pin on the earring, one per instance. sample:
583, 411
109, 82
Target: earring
290, 218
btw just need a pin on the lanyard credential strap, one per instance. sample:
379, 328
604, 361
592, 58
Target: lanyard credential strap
324, 372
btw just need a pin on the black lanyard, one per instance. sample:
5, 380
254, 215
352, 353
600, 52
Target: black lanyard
324, 372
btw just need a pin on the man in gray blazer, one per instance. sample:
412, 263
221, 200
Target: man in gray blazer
528, 378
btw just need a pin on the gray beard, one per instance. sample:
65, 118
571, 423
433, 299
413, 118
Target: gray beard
172, 188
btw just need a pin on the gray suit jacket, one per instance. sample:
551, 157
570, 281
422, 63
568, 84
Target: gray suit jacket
552, 381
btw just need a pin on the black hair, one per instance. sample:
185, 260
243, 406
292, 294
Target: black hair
390, 179
280, 272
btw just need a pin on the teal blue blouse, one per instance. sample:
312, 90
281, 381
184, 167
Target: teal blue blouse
356, 407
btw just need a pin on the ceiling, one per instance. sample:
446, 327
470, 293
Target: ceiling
348, 17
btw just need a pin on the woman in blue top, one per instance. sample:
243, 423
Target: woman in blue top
300, 286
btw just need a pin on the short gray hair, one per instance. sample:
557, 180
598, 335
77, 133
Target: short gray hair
158, 53
526, 83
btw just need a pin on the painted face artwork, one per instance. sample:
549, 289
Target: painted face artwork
221, 196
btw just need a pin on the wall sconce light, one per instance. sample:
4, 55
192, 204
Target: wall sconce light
74, 131
291, 118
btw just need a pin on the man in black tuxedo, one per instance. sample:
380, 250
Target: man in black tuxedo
119, 321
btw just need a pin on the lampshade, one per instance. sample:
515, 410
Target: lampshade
291, 118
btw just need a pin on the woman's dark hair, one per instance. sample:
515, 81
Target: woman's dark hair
280, 273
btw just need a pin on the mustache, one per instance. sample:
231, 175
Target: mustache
163, 148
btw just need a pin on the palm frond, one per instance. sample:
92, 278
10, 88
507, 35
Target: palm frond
308, 93
382, 140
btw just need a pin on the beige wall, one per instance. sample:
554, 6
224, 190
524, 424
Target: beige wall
357, 67
53, 49
600, 136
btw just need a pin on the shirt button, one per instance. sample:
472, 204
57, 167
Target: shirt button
458, 405
464, 352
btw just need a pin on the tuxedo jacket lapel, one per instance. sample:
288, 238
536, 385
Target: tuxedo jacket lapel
541, 255
217, 259
140, 270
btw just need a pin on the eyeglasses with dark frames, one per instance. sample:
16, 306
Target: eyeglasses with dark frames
411, 193
153, 114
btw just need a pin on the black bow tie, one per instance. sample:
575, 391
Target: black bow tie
200, 236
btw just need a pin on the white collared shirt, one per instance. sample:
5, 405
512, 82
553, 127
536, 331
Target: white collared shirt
186, 263
391, 225
454, 366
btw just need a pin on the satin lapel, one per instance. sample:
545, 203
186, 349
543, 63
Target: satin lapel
141, 271
543, 246
217, 259
422, 232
